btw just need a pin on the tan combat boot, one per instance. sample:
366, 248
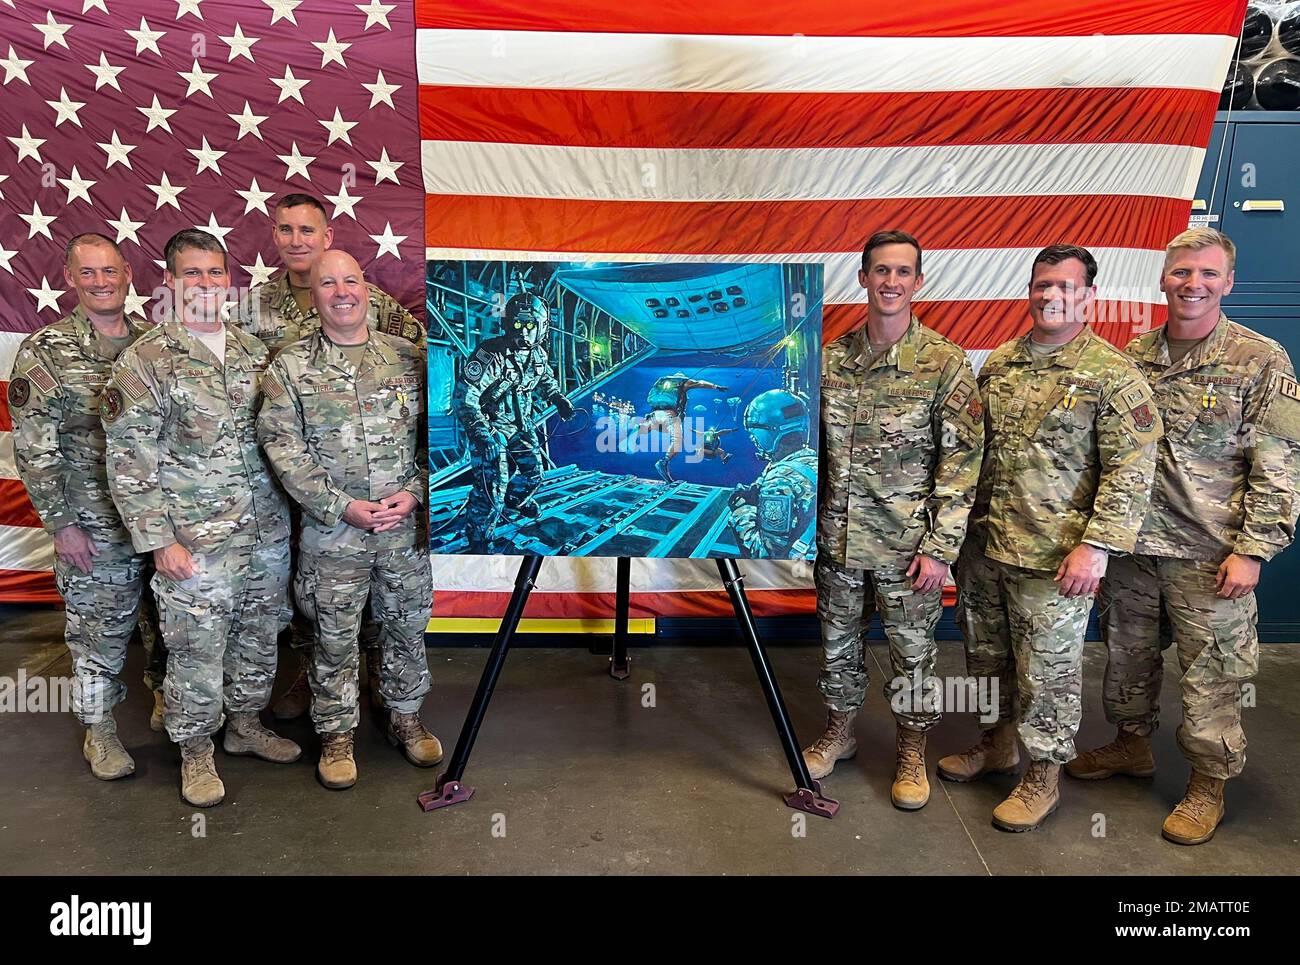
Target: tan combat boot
200, 785
836, 744
246, 735
295, 701
1196, 816
337, 769
911, 787
996, 753
156, 716
420, 747
1034, 798
1127, 754
107, 757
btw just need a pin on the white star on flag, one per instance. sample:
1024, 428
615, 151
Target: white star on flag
240, 45
146, 38
15, 66
46, 297
117, 152
388, 242
77, 187
344, 202
296, 163
125, 227
135, 302
248, 122
215, 229
90, 5
283, 10
259, 273
105, 73
255, 198
38, 223
207, 157
331, 50
3, 179
66, 109
198, 79
188, 6
381, 91
386, 170
376, 12
338, 128
290, 86
166, 192
52, 31
28, 146
6, 256
157, 115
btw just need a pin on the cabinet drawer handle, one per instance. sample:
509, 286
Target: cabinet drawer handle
1263, 205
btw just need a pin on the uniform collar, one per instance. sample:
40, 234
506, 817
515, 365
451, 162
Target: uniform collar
1067, 358
902, 354
196, 349
327, 353
88, 335
282, 300
1208, 351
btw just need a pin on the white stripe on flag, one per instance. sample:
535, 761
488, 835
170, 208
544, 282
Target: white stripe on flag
25, 548
818, 174
496, 574
9, 342
954, 274
690, 62
8, 468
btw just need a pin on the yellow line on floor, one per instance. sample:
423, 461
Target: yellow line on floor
490, 625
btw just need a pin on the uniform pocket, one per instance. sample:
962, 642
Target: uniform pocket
1236, 644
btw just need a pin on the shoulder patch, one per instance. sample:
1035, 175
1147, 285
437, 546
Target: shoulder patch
1281, 414
1135, 395
1288, 387
1143, 416
20, 391
111, 405
41, 378
131, 384
271, 387
474, 369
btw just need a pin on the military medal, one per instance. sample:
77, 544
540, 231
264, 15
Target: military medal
401, 397
1067, 406
1208, 401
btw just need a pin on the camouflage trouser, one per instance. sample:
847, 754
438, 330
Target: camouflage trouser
220, 626
333, 589
155, 650
1016, 622
102, 610
846, 598
505, 480
1148, 602
302, 632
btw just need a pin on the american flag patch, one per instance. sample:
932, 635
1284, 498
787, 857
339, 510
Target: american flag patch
41, 378
131, 384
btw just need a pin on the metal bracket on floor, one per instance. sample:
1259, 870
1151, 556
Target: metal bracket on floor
813, 802
445, 795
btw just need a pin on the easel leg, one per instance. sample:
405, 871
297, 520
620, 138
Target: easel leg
807, 795
618, 661
449, 789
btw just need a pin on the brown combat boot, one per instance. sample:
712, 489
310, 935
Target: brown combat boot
420, 747
156, 716
337, 769
996, 753
911, 788
1034, 798
246, 735
837, 743
1127, 754
103, 750
1196, 816
295, 701
200, 785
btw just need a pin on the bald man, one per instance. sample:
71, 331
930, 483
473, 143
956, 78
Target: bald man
343, 426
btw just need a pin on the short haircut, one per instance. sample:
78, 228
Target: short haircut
191, 238
891, 237
1197, 238
1055, 254
89, 238
297, 199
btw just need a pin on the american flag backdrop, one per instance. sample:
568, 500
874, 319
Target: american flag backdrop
562, 129
136, 119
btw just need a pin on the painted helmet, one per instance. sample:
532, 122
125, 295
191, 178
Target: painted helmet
528, 320
776, 420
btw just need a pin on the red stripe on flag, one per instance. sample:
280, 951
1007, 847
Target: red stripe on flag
987, 324
677, 119
28, 586
937, 18
775, 227
15, 508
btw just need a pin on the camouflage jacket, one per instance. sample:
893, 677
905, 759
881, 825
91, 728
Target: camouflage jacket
1070, 452
183, 461
901, 446
270, 314
335, 433
58, 439
1229, 461
498, 385
776, 516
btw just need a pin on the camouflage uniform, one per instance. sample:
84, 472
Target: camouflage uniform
901, 443
495, 403
1225, 483
59, 451
270, 313
1069, 458
776, 517
184, 467
334, 433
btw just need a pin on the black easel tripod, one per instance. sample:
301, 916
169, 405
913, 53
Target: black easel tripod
450, 789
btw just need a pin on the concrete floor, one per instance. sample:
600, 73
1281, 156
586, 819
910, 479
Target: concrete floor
582, 778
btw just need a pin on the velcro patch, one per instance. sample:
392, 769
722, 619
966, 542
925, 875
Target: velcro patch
473, 370
41, 378
975, 408
909, 392
131, 384
111, 405
1144, 416
1288, 387
271, 387
1216, 379
1135, 395
958, 397
20, 391
1281, 415
828, 383
405, 382
1081, 384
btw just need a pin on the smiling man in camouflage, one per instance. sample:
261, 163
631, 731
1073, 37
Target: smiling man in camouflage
1225, 502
